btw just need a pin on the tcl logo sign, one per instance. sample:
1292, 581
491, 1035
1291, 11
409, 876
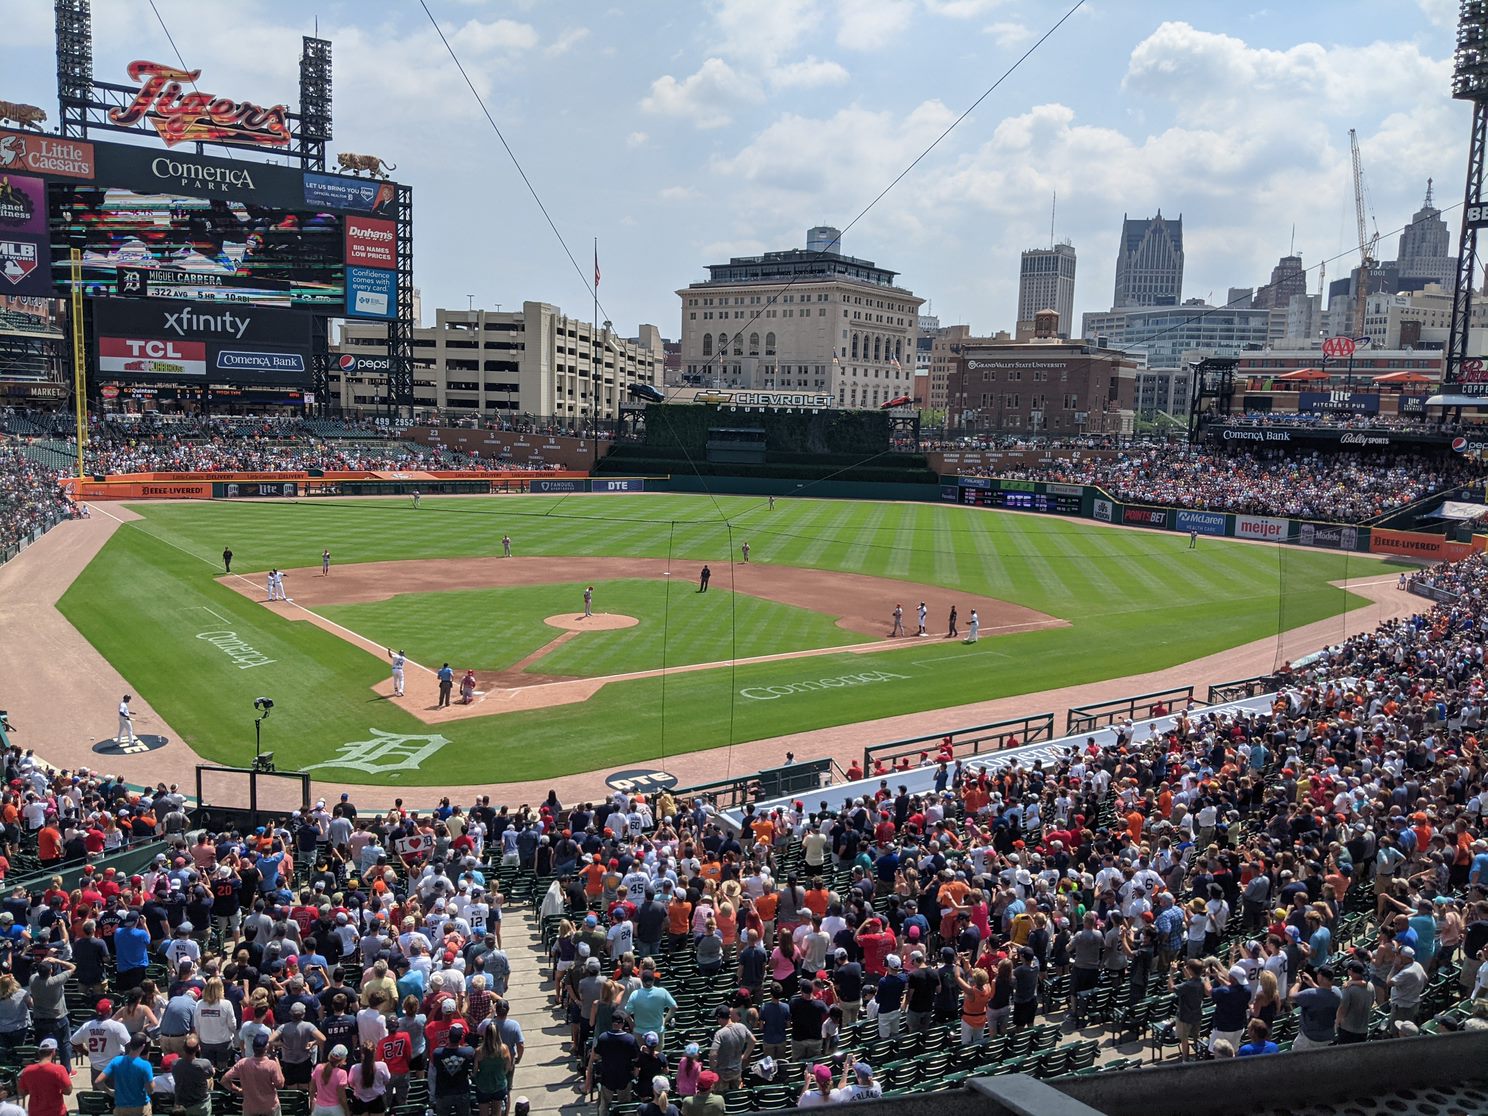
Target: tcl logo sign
161, 350
371, 243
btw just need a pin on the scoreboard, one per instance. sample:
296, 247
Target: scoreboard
1049, 502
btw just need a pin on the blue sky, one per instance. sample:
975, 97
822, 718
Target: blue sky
681, 133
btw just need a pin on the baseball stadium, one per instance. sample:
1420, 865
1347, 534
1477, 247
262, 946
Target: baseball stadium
730, 747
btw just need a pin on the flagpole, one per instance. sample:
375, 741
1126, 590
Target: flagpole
594, 375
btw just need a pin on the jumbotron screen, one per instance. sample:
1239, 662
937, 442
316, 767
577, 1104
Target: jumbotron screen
205, 249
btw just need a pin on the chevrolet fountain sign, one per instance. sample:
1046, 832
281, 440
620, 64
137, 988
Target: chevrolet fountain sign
767, 400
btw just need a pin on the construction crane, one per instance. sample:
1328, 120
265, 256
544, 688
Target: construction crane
1367, 243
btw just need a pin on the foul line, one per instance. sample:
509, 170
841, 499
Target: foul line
246, 580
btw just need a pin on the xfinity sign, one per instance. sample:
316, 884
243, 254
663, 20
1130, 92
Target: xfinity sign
238, 325
188, 321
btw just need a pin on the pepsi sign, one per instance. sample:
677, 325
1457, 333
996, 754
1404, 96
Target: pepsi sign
348, 362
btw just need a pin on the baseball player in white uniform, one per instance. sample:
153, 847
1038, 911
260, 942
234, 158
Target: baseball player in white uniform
589, 601
273, 581
506, 546
973, 626
398, 659
125, 735
924, 612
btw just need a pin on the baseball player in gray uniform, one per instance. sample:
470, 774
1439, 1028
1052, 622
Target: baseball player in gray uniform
398, 660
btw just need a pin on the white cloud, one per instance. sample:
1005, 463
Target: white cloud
1442, 13
678, 194
706, 98
497, 35
809, 73
762, 31
1203, 73
961, 9
872, 24
1009, 34
636, 139
566, 41
790, 180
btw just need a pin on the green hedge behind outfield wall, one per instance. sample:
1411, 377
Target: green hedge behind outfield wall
884, 468
686, 425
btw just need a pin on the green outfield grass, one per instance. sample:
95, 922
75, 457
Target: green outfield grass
1136, 601
491, 629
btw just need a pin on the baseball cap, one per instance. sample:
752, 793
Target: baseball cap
297, 1009
823, 1074
706, 1080
691, 1050
650, 1038
168, 1062
105, 1006
47, 1044
260, 1041
892, 961
339, 1051
863, 1069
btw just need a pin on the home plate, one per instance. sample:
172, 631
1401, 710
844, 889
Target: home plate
599, 622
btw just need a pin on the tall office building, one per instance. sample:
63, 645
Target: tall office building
1149, 264
1425, 246
1046, 281
1287, 279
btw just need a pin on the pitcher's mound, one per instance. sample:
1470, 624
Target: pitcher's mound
599, 622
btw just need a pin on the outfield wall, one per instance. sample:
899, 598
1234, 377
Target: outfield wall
208, 486
1083, 501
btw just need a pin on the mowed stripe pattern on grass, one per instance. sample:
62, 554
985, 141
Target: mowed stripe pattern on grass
1136, 601
491, 629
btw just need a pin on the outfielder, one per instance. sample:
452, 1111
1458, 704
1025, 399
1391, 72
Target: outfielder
125, 735
398, 659
415, 497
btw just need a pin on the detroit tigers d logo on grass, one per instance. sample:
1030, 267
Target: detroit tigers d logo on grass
385, 752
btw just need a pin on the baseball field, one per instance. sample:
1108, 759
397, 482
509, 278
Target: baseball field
798, 638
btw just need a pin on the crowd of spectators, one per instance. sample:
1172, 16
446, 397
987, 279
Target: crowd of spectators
30, 499
1229, 857
1339, 487
1339, 420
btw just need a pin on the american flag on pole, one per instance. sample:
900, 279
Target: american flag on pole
596, 269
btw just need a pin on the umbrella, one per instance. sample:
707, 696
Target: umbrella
1404, 378
1306, 374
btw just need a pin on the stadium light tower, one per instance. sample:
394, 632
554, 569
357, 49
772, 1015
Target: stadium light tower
1464, 373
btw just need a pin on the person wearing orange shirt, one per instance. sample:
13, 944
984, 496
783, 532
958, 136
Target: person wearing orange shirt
49, 843
679, 918
818, 898
1134, 823
593, 876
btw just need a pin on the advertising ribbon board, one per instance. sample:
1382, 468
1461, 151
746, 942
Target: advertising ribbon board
1261, 527
1205, 523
